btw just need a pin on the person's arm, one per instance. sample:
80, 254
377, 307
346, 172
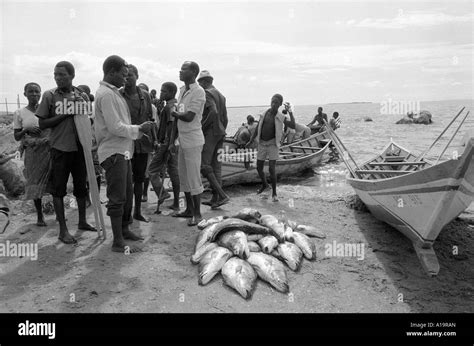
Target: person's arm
312, 121
210, 111
43, 113
252, 138
18, 130
224, 115
114, 124
290, 123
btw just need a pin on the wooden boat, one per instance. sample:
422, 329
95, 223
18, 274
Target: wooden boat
413, 195
238, 166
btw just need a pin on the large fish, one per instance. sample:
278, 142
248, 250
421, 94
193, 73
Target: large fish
270, 269
268, 243
288, 232
200, 252
292, 224
244, 226
272, 222
248, 214
211, 263
206, 223
239, 275
254, 247
235, 241
310, 231
290, 254
305, 244
255, 237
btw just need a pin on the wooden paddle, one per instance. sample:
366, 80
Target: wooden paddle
452, 137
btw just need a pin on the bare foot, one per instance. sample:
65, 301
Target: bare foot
263, 188
140, 217
127, 234
41, 223
84, 226
126, 249
66, 238
185, 214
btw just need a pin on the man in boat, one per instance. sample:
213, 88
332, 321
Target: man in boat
191, 101
319, 119
166, 156
139, 104
115, 135
56, 111
268, 135
214, 123
335, 121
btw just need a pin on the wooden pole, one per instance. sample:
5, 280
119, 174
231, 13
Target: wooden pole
6, 105
18, 100
419, 158
452, 137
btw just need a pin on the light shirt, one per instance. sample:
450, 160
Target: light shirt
192, 100
279, 124
24, 118
113, 130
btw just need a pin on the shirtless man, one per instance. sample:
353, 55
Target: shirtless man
318, 118
269, 134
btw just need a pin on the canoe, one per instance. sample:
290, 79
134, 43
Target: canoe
416, 197
238, 166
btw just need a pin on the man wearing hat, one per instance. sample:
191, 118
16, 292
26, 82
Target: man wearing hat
214, 122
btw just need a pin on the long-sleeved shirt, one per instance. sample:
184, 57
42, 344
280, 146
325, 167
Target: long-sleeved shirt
113, 130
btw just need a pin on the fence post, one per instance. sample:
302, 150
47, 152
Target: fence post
6, 105
18, 100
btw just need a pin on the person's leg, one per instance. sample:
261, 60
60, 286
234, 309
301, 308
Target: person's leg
207, 157
129, 194
216, 165
116, 170
39, 212
192, 159
146, 184
272, 169
184, 186
79, 178
172, 167
261, 157
139, 164
59, 176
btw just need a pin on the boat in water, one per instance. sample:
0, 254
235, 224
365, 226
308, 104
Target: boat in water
239, 164
415, 196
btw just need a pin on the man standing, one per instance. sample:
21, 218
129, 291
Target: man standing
214, 123
56, 111
139, 104
166, 155
115, 135
269, 134
190, 107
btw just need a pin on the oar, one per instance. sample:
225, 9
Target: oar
454, 135
419, 158
341, 148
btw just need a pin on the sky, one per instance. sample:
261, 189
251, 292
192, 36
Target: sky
311, 52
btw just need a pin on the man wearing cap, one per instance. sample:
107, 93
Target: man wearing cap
269, 133
214, 123
191, 102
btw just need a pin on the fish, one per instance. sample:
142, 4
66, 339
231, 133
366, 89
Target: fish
231, 224
291, 224
248, 214
205, 223
236, 242
290, 254
239, 275
305, 244
288, 232
310, 231
268, 243
254, 247
270, 269
200, 252
211, 263
272, 222
255, 237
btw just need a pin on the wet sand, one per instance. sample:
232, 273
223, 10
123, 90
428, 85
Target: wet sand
89, 277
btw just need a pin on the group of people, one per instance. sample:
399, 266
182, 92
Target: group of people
137, 136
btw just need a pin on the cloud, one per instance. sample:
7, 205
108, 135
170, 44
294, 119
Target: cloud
413, 19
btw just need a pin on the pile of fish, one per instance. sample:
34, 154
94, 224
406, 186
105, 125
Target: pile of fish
247, 246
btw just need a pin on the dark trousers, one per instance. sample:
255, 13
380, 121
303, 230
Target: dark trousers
118, 173
210, 152
162, 159
64, 163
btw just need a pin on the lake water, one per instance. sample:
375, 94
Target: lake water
366, 139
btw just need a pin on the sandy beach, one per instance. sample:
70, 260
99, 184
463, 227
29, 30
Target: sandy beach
89, 277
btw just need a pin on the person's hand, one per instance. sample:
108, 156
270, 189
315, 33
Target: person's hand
156, 146
174, 114
5, 158
172, 148
146, 126
33, 130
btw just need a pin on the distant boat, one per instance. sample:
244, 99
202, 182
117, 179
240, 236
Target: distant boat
238, 168
416, 197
